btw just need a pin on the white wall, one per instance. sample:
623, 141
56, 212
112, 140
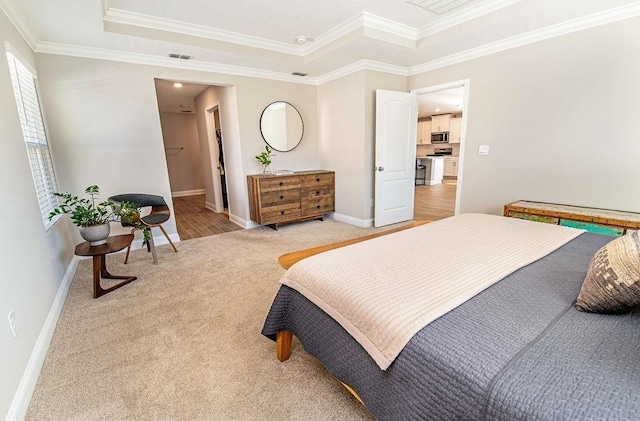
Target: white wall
33, 260
182, 151
561, 118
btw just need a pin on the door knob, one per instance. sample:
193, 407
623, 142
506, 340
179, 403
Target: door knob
380, 168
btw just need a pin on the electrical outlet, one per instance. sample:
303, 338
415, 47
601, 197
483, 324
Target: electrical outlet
12, 324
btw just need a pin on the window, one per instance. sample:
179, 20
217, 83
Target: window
35, 138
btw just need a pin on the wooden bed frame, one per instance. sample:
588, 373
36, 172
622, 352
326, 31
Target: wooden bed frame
284, 337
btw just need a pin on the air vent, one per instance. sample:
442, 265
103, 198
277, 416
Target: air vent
185, 111
299, 74
180, 56
439, 7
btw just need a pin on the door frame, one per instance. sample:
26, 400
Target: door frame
214, 153
464, 83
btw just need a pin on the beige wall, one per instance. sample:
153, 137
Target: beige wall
33, 261
561, 118
341, 113
346, 108
182, 151
225, 99
106, 126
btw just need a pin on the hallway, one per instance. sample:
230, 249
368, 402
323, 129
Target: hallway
435, 202
193, 220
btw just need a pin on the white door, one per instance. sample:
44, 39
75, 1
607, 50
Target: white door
396, 123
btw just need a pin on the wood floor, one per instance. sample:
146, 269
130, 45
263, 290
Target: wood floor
193, 220
435, 202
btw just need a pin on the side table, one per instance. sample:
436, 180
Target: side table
115, 243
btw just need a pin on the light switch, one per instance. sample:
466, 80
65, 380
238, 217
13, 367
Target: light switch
483, 150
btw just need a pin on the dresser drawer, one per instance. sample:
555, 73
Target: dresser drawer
284, 213
279, 183
311, 180
310, 193
279, 197
318, 206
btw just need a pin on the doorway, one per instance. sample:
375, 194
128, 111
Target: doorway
442, 110
193, 139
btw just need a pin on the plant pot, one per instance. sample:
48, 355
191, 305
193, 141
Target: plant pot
95, 235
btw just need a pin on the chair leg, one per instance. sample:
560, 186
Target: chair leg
169, 239
152, 248
126, 257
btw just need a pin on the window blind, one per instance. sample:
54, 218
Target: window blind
35, 138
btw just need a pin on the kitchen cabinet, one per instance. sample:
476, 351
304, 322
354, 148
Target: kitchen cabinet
451, 166
440, 123
423, 133
455, 130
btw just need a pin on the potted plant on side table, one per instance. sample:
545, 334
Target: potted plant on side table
92, 217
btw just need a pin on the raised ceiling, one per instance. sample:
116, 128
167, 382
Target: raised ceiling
260, 37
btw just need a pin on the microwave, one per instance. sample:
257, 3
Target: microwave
442, 137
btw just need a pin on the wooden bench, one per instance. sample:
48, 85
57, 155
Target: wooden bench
601, 221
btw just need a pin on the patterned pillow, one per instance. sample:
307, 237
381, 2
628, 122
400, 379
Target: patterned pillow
612, 284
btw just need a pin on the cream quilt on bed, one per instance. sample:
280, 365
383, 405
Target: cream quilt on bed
383, 291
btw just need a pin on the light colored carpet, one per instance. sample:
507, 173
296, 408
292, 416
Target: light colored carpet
183, 341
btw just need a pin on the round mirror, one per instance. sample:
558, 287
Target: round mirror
281, 126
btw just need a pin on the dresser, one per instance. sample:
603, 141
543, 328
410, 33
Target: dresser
282, 199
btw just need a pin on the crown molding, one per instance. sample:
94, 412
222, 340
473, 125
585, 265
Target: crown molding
360, 66
590, 21
151, 60
140, 20
462, 16
575, 25
333, 35
387, 25
9, 8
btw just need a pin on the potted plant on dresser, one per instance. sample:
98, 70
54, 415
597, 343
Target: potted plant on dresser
93, 217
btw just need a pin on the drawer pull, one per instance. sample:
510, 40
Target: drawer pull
281, 197
317, 179
281, 183
318, 207
281, 212
318, 193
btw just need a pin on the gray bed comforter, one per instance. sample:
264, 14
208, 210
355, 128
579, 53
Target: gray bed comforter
517, 351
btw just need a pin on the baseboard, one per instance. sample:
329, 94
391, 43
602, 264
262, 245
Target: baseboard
187, 193
242, 222
158, 240
27, 385
210, 206
364, 223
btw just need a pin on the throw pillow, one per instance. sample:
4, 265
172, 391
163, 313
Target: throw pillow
612, 284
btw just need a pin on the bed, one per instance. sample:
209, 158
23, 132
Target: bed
517, 350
